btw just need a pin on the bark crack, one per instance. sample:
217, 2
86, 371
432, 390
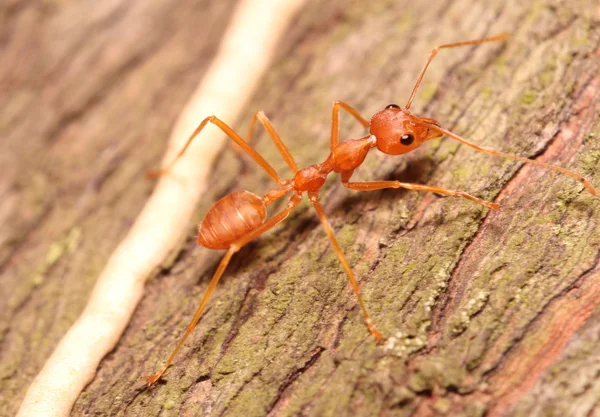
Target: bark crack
293, 376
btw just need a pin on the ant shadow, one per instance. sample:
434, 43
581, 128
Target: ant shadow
413, 170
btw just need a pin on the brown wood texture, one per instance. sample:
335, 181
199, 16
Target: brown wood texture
490, 314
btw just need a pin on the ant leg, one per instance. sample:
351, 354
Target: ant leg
233, 136
314, 199
283, 150
213, 283
379, 185
335, 120
236, 246
588, 185
434, 52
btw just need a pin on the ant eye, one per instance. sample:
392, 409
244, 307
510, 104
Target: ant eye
393, 106
407, 139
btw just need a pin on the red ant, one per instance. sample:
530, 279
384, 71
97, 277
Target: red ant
241, 216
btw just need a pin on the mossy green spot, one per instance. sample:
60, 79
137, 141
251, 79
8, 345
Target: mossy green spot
528, 97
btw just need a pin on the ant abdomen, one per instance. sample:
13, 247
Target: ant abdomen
232, 217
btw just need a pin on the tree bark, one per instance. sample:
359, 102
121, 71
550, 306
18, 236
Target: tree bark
486, 313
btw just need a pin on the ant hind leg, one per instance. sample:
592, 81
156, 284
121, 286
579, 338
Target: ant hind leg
283, 150
233, 136
236, 246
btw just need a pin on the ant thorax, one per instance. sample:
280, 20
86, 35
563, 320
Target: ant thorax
350, 154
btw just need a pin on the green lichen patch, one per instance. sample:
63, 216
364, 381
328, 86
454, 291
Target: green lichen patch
528, 97
56, 252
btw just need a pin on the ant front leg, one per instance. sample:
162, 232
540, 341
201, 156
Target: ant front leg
380, 185
335, 121
314, 199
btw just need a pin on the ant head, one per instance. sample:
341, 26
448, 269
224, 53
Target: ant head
398, 131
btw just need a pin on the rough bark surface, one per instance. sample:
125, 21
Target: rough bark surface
490, 314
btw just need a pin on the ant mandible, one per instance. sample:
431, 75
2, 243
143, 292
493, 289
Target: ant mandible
239, 217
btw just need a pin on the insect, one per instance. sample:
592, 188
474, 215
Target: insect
240, 217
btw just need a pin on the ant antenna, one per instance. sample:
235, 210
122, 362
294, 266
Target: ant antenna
434, 52
571, 174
